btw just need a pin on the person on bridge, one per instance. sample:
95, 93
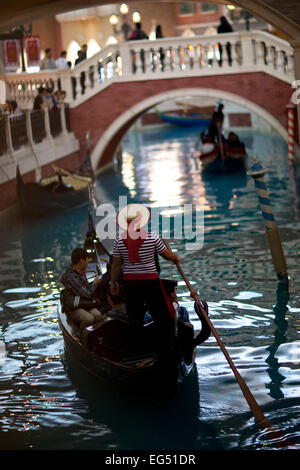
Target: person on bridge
138, 34
62, 63
47, 63
225, 27
136, 249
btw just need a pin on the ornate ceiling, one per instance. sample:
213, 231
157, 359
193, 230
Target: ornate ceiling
284, 15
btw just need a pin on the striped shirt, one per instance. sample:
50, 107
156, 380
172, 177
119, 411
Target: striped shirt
151, 245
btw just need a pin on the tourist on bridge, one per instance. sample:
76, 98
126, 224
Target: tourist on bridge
82, 54
138, 34
40, 99
135, 249
225, 27
62, 63
47, 63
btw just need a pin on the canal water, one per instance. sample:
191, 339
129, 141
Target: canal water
47, 403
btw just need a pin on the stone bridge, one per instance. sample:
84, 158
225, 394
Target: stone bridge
112, 89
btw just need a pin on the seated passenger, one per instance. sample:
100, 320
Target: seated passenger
234, 141
80, 296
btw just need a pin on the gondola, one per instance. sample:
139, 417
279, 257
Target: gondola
222, 159
114, 350
56, 193
185, 120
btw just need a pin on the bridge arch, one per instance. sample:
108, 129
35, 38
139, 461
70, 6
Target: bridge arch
103, 151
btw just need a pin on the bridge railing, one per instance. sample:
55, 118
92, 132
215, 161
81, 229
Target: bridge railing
33, 138
31, 128
240, 52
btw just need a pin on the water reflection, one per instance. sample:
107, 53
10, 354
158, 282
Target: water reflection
137, 422
40, 397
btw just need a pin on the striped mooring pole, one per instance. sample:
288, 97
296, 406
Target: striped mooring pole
291, 126
272, 233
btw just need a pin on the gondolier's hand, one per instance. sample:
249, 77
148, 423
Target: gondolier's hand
97, 280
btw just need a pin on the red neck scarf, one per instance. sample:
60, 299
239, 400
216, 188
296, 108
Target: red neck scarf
133, 239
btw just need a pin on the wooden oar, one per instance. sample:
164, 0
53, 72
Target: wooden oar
274, 433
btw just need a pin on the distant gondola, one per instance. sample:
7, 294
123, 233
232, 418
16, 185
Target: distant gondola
185, 120
222, 159
56, 193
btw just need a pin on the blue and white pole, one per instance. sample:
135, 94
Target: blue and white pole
258, 173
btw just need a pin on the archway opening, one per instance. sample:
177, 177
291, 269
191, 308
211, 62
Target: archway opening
241, 110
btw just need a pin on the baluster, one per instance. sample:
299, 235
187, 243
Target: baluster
172, 59
198, 56
290, 64
191, 55
13, 91
9, 141
91, 77
30, 94
47, 126
270, 56
284, 62
281, 62
138, 61
202, 56
235, 54
147, 61
209, 55
274, 57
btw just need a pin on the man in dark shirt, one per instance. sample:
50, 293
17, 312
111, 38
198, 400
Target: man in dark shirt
39, 99
76, 284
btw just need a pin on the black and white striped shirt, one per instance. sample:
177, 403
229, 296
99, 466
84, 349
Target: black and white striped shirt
146, 252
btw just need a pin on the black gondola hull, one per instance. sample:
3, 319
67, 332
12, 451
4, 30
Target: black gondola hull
142, 371
37, 201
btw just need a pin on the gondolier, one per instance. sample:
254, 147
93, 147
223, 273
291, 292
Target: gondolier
135, 249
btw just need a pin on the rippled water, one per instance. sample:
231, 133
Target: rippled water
48, 403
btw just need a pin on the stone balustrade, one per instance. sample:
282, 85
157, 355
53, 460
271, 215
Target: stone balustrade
243, 52
33, 139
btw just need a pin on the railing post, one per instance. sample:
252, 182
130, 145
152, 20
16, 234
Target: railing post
126, 59
63, 119
247, 49
47, 126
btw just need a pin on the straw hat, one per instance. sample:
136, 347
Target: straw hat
131, 212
